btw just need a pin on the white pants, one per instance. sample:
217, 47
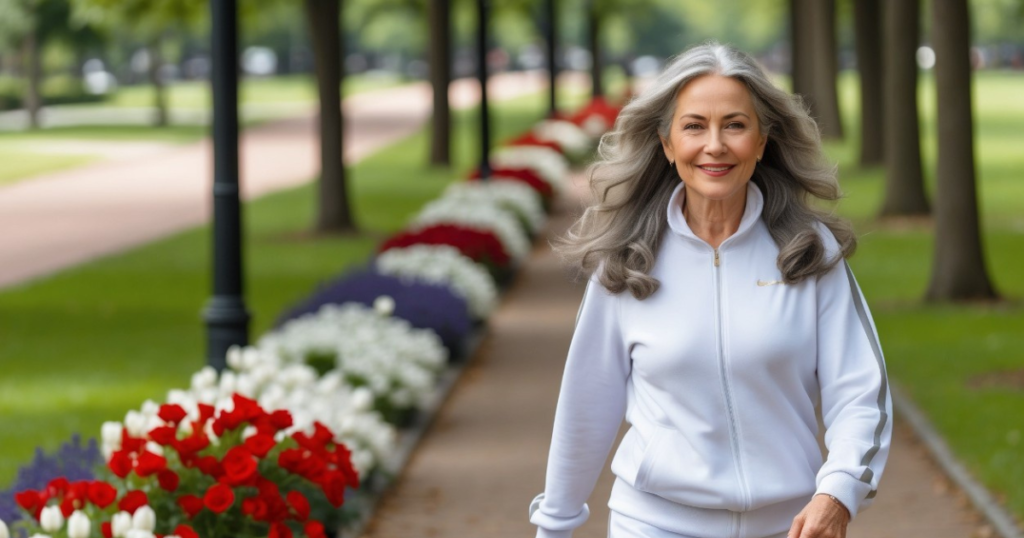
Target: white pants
620, 526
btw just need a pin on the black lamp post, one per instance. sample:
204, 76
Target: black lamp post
481, 71
552, 66
227, 319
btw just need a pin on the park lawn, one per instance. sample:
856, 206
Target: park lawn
19, 164
962, 364
22, 163
90, 343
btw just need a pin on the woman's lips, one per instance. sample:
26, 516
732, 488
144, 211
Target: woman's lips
716, 170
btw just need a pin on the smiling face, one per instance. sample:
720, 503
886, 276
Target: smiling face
715, 139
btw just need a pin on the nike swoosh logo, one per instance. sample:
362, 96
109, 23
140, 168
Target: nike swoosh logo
770, 282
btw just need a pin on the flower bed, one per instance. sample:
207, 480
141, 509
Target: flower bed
316, 413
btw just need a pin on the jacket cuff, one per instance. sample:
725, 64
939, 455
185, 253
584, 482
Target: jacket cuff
549, 526
850, 491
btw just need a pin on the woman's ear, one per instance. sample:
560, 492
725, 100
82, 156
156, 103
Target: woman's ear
666, 146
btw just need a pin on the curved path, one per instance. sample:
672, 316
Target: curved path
65, 218
476, 470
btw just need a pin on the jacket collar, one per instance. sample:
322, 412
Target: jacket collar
751, 213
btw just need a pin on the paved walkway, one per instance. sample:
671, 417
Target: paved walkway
483, 460
143, 193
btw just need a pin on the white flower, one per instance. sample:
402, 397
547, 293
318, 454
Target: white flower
79, 525
595, 125
549, 164
205, 378
4, 533
485, 217
51, 519
443, 264
110, 433
566, 134
150, 408
384, 305
135, 422
515, 196
139, 533
39, 535
144, 519
120, 524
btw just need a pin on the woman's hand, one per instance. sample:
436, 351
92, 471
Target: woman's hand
821, 518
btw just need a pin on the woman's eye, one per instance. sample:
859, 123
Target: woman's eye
734, 125
690, 126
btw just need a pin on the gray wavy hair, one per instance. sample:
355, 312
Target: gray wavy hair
633, 182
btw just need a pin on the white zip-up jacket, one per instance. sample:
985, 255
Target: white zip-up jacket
718, 374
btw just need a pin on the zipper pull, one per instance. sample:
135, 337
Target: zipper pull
716, 257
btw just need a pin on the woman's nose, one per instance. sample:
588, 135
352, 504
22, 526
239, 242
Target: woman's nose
714, 145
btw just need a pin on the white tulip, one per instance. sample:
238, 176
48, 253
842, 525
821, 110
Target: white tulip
135, 422
39, 535
205, 378
154, 448
144, 519
150, 408
234, 357
139, 533
111, 433
120, 524
51, 519
384, 305
4, 533
79, 525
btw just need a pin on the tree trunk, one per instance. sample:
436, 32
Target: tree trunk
33, 76
958, 271
439, 21
800, 50
868, 28
551, 37
904, 181
156, 59
825, 68
597, 86
333, 210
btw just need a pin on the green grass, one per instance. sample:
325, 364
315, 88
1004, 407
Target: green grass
936, 351
19, 164
90, 343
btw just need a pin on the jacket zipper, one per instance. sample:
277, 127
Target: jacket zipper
725, 386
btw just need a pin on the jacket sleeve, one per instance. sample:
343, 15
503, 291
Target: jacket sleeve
591, 406
855, 402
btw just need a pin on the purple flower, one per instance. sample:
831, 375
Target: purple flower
424, 306
72, 461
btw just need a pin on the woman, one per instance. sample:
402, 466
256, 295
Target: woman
720, 313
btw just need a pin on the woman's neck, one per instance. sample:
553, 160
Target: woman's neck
714, 221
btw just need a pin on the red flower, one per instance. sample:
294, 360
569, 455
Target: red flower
333, 486
32, 501
260, 444
290, 459
193, 443
107, 531
481, 246
132, 501
239, 465
524, 175
168, 479
281, 419
210, 466
219, 498
57, 487
184, 531
172, 413
164, 435
191, 505
530, 139
597, 107
255, 507
280, 530
300, 504
68, 505
314, 529
102, 494
120, 464
131, 444
149, 463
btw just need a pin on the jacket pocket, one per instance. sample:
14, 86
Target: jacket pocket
673, 468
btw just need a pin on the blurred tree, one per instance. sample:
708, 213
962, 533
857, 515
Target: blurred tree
904, 181
815, 64
868, 28
439, 60
152, 23
334, 212
958, 270
30, 25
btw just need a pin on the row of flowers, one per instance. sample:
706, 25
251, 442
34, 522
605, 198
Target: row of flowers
275, 444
